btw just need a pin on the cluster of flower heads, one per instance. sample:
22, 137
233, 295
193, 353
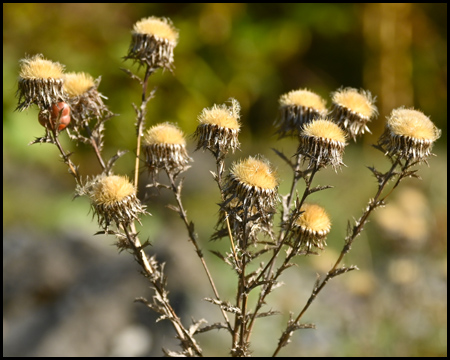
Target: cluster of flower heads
251, 187
351, 110
322, 135
408, 134
63, 98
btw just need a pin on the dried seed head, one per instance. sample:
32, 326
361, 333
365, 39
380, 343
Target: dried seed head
76, 84
312, 226
153, 41
323, 142
219, 128
165, 148
85, 100
40, 83
353, 109
409, 134
251, 196
113, 198
255, 173
298, 108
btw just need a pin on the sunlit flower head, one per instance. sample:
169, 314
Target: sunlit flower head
84, 99
153, 41
40, 82
113, 199
218, 128
323, 142
165, 148
409, 134
298, 108
251, 196
312, 226
353, 109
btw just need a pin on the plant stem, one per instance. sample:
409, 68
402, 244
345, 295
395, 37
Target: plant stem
141, 120
187, 341
177, 192
72, 168
220, 169
95, 147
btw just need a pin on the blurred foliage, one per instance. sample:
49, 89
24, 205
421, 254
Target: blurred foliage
251, 52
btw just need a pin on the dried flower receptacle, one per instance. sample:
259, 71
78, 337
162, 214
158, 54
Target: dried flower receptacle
311, 228
409, 134
353, 109
218, 129
113, 199
40, 82
323, 142
153, 41
298, 108
165, 149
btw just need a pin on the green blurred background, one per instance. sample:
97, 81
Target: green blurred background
67, 293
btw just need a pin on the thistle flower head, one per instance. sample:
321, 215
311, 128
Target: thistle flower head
409, 134
76, 84
312, 226
218, 128
251, 196
84, 99
298, 108
153, 41
113, 199
255, 173
353, 109
165, 148
40, 83
323, 142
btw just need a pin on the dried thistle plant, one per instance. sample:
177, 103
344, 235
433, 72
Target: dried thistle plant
261, 249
